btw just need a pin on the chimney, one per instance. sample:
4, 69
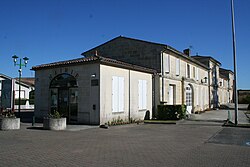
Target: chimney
187, 52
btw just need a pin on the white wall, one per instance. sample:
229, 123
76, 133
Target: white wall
131, 79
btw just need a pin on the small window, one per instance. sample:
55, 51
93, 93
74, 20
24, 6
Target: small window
194, 72
177, 67
166, 63
188, 71
117, 94
197, 74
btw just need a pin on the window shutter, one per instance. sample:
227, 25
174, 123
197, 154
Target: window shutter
197, 74
114, 94
121, 94
166, 63
140, 90
142, 98
144, 94
177, 67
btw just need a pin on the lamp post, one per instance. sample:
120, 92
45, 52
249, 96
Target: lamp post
25, 60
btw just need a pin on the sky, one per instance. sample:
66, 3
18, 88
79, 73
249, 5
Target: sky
46, 31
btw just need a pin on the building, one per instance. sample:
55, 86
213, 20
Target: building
226, 86
93, 90
181, 78
124, 77
9, 92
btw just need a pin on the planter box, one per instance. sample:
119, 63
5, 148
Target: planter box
54, 124
9, 123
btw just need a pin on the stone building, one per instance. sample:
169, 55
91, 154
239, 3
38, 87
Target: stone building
226, 86
180, 79
124, 77
93, 90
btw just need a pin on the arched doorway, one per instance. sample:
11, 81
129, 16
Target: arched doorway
189, 99
64, 96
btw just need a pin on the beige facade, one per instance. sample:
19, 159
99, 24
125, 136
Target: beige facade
180, 79
182, 75
131, 101
85, 91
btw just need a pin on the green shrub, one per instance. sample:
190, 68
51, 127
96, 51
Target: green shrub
245, 100
55, 114
171, 112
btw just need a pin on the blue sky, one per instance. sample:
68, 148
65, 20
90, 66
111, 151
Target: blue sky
54, 30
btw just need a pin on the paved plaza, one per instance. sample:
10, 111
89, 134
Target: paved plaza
188, 143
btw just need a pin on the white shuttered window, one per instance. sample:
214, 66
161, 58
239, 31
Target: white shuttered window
117, 94
166, 63
142, 91
177, 67
197, 74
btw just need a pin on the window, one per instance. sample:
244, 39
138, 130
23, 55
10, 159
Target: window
166, 63
63, 81
197, 74
194, 72
117, 94
177, 67
22, 94
188, 71
142, 91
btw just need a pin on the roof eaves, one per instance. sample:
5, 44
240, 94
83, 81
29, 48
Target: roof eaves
67, 62
113, 62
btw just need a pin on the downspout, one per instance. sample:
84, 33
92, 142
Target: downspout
162, 79
182, 90
209, 89
129, 95
13, 95
153, 96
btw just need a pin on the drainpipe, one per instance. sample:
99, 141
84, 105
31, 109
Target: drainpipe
129, 95
182, 90
153, 96
162, 79
209, 89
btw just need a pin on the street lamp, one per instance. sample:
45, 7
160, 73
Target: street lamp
25, 59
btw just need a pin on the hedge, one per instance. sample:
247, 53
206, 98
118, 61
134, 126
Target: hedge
171, 112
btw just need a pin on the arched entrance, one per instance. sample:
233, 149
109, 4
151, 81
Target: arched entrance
189, 99
64, 96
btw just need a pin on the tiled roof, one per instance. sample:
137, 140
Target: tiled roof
66, 62
94, 59
198, 57
164, 46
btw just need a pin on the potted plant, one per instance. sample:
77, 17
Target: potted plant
8, 121
54, 121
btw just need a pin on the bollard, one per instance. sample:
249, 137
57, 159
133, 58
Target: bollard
33, 120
